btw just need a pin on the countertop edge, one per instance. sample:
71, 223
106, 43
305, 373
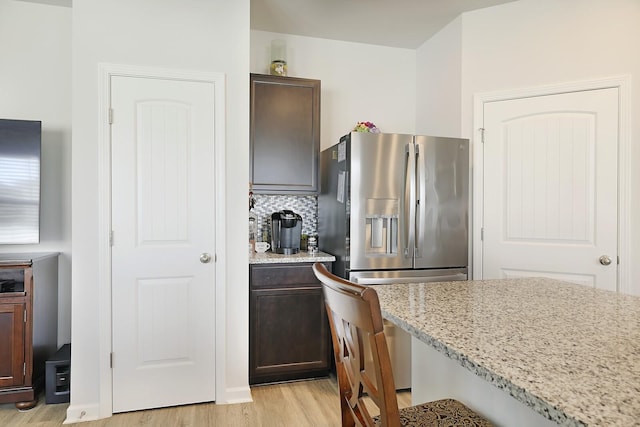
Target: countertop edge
300, 257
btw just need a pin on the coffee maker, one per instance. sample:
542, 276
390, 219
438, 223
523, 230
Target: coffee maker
286, 227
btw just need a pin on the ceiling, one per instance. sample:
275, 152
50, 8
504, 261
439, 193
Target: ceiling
394, 23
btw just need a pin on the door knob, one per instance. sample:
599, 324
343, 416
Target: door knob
605, 260
205, 258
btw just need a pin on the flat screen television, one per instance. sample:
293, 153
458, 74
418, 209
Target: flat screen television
20, 148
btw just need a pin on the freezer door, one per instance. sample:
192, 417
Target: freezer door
399, 341
442, 219
408, 276
379, 217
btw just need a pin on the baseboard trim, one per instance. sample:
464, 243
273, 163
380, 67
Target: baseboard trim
82, 413
235, 395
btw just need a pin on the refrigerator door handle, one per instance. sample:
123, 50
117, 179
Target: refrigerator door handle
421, 197
409, 200
419, 201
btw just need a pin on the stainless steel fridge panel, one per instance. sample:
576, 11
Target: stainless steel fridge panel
333, 209
378, 218
442, 219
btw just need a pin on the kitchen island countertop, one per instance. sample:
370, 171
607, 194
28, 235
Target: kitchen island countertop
302, 256
569, 352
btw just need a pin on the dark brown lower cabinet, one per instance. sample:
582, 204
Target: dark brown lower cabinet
289, 335
28, 324
12, 348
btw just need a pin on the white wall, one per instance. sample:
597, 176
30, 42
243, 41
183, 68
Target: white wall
438, 89
531, 43
35, 84
359, 82
181, 34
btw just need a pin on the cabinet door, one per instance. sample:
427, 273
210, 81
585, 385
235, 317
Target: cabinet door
289, 334
12, 357
285, 134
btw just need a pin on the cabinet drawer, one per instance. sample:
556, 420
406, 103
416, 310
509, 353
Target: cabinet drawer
283, 275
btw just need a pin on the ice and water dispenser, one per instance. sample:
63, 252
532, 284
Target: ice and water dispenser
381, 236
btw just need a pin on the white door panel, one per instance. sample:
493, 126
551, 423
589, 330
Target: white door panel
550, 187
162, 221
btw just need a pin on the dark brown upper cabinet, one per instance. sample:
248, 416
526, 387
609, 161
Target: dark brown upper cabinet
284, 134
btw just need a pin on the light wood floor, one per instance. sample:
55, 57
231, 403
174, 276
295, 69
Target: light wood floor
299, 404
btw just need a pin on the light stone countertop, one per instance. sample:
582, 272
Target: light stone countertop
570, 352
302, 256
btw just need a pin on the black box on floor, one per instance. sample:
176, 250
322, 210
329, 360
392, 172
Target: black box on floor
57, 376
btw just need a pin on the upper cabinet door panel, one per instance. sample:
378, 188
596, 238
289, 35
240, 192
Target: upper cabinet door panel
285, 134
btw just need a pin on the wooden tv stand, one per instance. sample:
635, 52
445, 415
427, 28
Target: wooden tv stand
28, 324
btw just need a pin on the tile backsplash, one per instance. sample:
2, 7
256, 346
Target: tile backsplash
305, 206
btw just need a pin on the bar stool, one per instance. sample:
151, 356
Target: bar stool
354, 316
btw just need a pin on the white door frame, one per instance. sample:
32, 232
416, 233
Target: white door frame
623, 83
106, 71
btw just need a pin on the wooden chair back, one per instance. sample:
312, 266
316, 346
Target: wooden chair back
355, 317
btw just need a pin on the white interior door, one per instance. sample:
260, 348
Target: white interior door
163, 230
551, 187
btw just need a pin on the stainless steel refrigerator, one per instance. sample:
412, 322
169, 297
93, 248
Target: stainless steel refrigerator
395, 209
